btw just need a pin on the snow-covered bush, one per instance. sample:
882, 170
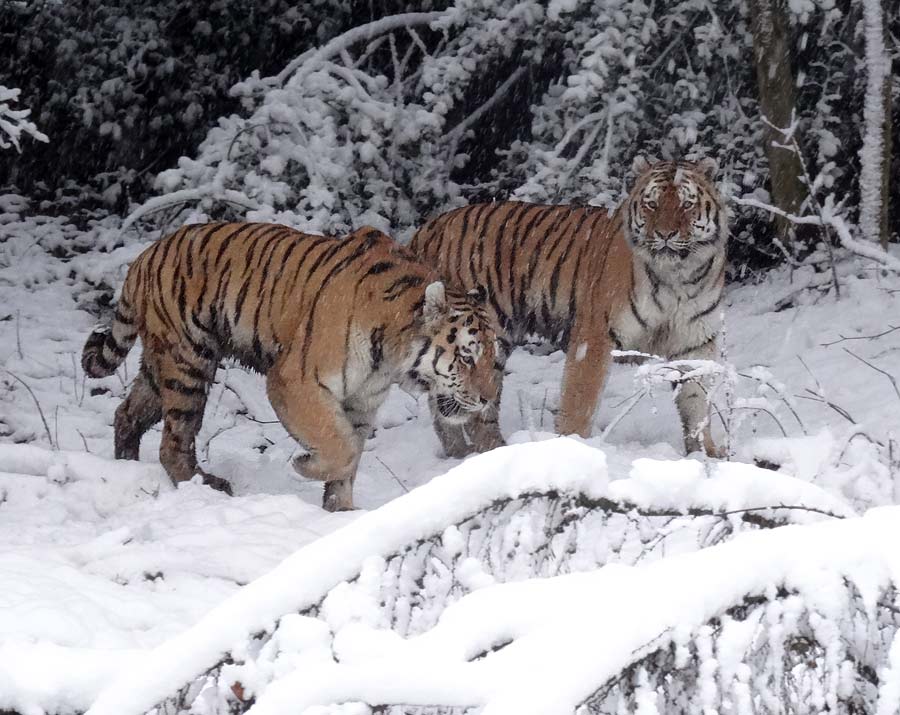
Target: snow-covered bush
412, 113
14, 122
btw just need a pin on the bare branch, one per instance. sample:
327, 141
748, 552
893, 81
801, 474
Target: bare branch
891, 329
38, 404
877, 369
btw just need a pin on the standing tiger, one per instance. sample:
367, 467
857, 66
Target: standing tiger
650, 278
331, 323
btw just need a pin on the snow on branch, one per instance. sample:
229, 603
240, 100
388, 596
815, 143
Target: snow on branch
185, 196
308, 60
386, 583
14, 122
835, 221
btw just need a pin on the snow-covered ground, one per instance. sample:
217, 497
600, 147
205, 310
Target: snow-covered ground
103, 561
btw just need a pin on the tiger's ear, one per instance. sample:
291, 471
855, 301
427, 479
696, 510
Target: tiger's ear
478, 294
639, 165
709, 167
435, 302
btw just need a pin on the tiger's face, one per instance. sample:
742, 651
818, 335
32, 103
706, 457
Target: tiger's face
457, 365
675, 214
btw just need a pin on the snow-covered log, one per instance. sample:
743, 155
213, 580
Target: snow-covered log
404, 606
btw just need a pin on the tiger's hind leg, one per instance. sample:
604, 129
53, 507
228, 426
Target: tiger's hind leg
139, 411
184, 384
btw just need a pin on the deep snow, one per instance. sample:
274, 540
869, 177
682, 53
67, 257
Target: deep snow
101, 561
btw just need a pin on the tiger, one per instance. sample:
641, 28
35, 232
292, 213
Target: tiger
647, 277
332, 323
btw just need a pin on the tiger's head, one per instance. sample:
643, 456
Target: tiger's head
675, 215
457, 364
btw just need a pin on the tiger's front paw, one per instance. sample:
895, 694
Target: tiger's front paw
707, 447
338, 496
309, 466
217, 483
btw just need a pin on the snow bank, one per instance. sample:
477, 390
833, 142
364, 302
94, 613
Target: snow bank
101, 560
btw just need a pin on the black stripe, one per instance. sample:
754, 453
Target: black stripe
475, 268
376, 347
120, 317
234, 235
634, 311
182, 389
707, 311
201, 350
113, 346
192, 372
401, 285
377, 269
360, 250
702, 273
346, 354
538, 215
181, 415
148, 377
694, 348
520, 211
614, 336
455, 266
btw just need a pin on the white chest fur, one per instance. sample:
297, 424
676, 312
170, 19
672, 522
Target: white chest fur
669, 310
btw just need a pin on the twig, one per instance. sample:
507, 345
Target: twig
781, 396
391, 472
38, 404
837, 408
877, 369
215, 434
768, 412
618, 418
891, 329
19, 335
820, 395
83, 441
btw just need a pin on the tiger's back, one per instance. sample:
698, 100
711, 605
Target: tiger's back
243, 290
531, 259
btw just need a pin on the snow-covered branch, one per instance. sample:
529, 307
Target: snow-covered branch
308, 60
835, 221
186, 196
14, 122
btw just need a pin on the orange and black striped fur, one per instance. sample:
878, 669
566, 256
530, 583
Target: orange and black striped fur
332, 323
649, 278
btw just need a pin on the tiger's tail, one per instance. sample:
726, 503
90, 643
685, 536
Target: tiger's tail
107, 345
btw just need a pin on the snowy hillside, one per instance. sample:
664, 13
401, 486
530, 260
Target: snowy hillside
115, 584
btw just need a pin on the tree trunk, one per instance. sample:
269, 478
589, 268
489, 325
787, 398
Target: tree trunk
875, 155
885, 230
775, 80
